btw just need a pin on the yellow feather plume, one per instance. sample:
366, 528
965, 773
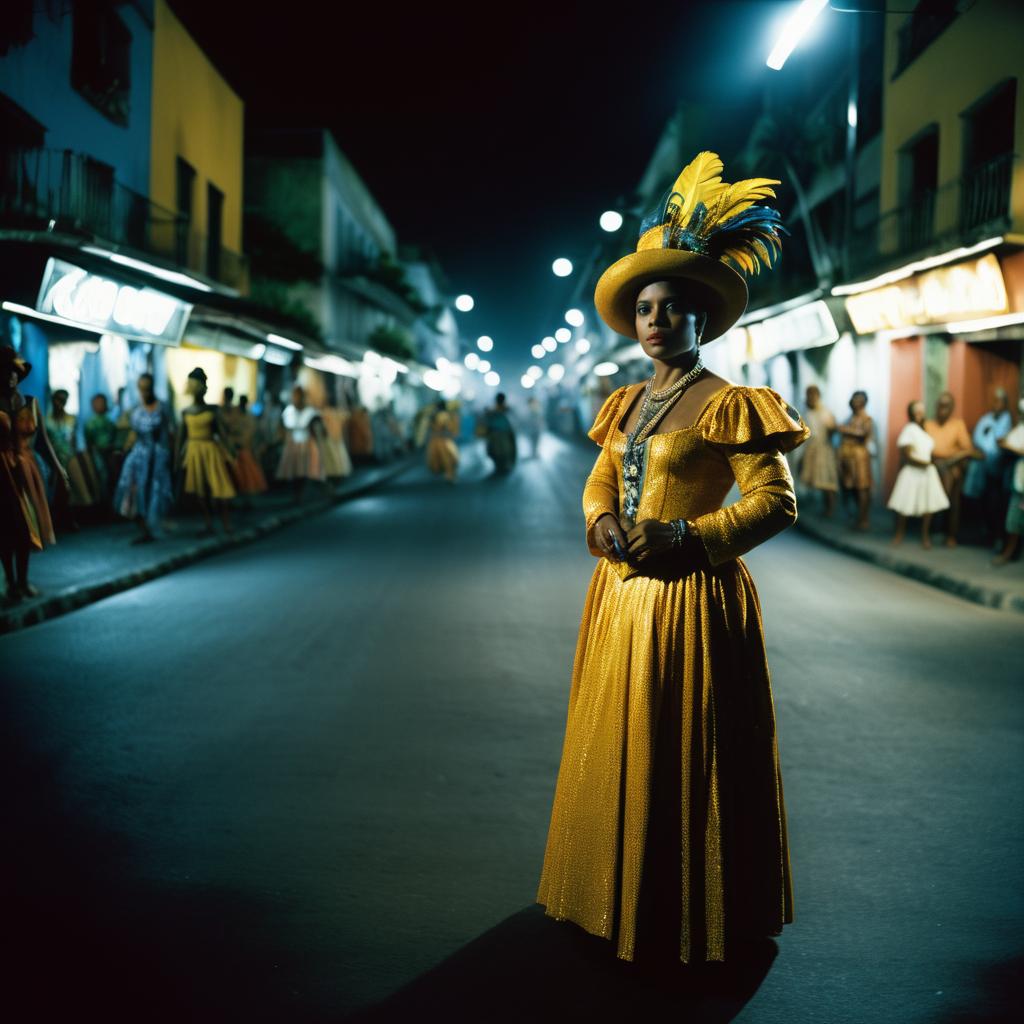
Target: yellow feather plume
700, 181
740, 196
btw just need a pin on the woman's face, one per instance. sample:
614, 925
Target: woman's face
857, 403
917, 412
145, 389
59, 401
813, 395
667, 322
298, 398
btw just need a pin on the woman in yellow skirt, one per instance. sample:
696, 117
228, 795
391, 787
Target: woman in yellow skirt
442, 452
668, 830
206, 455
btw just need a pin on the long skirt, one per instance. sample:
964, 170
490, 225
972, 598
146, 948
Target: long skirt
300, 460
669, 794
442, 456
207, 470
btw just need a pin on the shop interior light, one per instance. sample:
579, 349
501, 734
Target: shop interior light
795, 28
484, 343
472, 360
563, 334
582, 345
606, 369
464, 303
987, 323
550, 344
173, 276
527, 381
556, 371
332, 364
492, 379
928, 263
538, 351
20, 310
574, 317
611, 220
277, 339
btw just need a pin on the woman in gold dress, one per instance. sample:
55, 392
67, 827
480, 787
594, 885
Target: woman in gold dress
668, 829
206, 455
442, 451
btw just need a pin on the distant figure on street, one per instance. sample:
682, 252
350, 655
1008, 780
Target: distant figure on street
205, 453
102, 448
918, 489
62, 428
987, 479
360, 435
248, 473
534, 424
1013, 444
855, 456
501, 437
300, 460
145, 491
953, 448
818, 462
25, 524
442, 451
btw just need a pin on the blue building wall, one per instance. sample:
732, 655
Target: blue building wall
37, 77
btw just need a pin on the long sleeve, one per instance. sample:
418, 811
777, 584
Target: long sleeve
752, 427
767, 507
601, 491
600, 496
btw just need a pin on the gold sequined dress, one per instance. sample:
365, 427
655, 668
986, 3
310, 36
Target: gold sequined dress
669, 797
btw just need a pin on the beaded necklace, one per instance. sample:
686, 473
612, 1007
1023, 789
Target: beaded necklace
653, 409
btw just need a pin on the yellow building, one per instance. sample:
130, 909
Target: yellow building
953, 120
196, 155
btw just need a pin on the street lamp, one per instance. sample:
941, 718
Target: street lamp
556, 371
526, 381
549, 344
574, 317
538, 351
483, 366
535, 373
794, 29
563, 334
562, 267
606, 369
611, 220
464, 303
484, 343
492, 379
583, 346
472, 360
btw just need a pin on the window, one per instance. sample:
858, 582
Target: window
919, 179
101, 58
988, 157
185, 187
929, 20
214, 228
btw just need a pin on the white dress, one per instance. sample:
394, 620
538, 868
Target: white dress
918, 490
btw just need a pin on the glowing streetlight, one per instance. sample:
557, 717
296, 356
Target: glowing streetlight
464, 303
472, 360
563, 334
606, 369
795, 28
538, 351
483, 366
546, 342
583, 346
574, 317
611, 220
526, 381
562, 267
535, 373
556, 371
492, 379
484, 343
549, 344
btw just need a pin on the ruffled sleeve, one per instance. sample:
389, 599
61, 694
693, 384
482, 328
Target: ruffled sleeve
754, 419
606, 417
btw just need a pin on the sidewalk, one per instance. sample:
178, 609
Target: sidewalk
965, 571
99, 561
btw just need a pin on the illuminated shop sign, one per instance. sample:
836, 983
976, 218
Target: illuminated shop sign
76, 295
805, 327
964, 291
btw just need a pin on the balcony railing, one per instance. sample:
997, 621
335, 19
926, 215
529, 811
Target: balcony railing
80, 196
963, 211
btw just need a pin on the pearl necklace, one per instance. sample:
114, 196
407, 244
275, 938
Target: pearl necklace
680, 385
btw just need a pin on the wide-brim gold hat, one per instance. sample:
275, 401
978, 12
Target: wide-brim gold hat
704, 232
720, 291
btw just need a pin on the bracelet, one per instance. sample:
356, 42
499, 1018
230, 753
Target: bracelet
678, 532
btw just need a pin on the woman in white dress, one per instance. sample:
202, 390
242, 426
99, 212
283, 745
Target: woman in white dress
300, 459
918, 491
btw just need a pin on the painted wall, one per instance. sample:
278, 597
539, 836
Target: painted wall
37, 77
941, 83
195, 115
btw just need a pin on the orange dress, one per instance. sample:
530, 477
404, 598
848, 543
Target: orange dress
670, 785
25, 511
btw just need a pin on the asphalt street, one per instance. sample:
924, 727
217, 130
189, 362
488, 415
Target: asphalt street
310, 778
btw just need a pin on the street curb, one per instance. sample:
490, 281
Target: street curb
988, 597
73, 598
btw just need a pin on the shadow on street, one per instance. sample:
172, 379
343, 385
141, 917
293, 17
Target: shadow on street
530, 967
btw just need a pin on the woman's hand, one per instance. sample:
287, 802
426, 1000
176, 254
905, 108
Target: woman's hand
649, 537
605, 529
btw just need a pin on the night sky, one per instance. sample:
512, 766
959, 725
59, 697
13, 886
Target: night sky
494, 135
